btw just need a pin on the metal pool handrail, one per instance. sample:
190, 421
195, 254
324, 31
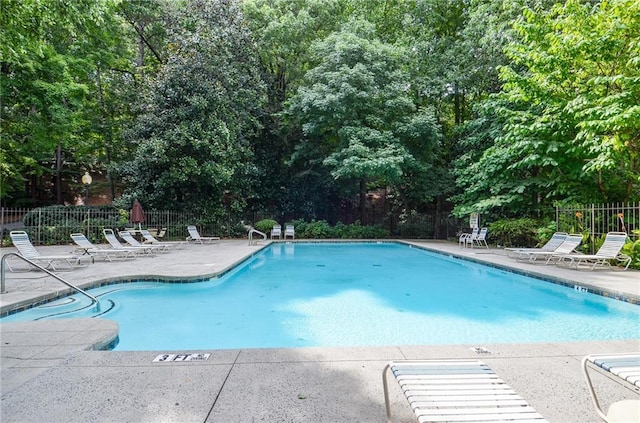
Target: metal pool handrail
70, 285
255, 231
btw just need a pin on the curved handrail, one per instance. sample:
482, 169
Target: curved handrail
70, 285
255, 231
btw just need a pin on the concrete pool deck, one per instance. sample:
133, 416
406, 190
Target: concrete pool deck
54, 371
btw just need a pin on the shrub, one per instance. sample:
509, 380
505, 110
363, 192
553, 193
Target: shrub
523, 232
266, 225
53, 224
318, 230
546, 232
373, 232
357, 231
632, 249
321, 229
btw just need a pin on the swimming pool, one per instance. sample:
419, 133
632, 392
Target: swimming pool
353, 294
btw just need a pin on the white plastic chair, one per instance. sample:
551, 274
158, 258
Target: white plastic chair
289, 232
466, 238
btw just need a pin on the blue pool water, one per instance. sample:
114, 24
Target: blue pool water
295, 295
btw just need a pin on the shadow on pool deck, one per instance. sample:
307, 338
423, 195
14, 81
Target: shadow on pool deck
51, 370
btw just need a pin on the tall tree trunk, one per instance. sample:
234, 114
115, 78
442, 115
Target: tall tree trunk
363, 201
58, 182
457, 104
108, 134
140, 30
437, 218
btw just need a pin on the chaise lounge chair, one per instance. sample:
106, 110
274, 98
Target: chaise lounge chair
151, 240
289, 231
549, 247
108, 254
110, 236
195, 236
276, 232
610, 250
129, 239
568, 246
456, 390
623, 368
26, 249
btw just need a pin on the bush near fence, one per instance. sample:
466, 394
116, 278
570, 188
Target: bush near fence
53, 225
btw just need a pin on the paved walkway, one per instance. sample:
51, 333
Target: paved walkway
54, 371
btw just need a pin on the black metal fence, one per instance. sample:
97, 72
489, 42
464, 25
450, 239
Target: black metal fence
593, 221
50, 225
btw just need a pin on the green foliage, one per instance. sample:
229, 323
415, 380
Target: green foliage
55, 224
64, 215
546, 232
317, 230
356, 113
632, 249
523, 232
193, 141
265, 225
565, 125
321, 229
358, 231
299, 106
51, 53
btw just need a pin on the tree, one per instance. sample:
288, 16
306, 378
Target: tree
356, 113
193, 139
569, 114
284, 31
44, 72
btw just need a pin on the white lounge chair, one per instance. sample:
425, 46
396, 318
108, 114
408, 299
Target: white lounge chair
465, 236
623, 367
21, 241
276, 232
568, 246
111, 238
151, 240
195, 236
131, 241
610, 250
550, 246
456, 390
289, 231
109, 254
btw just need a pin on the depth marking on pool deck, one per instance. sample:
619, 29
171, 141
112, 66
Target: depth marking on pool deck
167, 358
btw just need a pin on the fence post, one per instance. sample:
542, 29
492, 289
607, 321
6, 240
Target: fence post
593, 228
39, 226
